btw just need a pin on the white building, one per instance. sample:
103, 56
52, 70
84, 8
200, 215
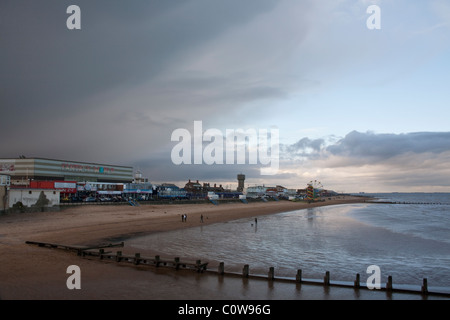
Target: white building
255, 191
5, 181
29, 197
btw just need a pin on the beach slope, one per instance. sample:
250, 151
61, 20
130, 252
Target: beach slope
30, 272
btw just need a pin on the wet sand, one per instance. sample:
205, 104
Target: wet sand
30, 272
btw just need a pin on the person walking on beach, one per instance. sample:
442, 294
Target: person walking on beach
201, 218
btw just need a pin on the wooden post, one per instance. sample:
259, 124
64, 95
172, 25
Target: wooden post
425, 286
271, 274
157, 258
177, 263
326, 279
221, 269
245, 271
357, 281
198, 264
118, 256
298, 277
137, 256
389, 284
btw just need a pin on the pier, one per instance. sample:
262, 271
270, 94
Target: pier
202, 267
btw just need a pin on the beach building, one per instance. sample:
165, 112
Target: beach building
29, 197
275, 192
193, 187
139, 178
23, 170
4, 184
138, 191
167, 185
62, 179
205, 190
208, 188
256, 191
171, 191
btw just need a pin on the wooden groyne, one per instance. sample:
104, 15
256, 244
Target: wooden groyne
156, 261
409, 202
387, 287
136, 259
80, 250
200, 267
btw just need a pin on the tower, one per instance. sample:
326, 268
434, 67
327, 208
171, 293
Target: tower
241, 179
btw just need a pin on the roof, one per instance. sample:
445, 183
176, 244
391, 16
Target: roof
74, 161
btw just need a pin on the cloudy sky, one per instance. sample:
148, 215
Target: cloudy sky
357, 109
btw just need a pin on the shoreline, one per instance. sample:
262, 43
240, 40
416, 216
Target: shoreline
222, 214
89, 225
29, 272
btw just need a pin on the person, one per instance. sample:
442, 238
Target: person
182, 218
201, 218
256, 220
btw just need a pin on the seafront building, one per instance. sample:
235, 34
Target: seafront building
5, 182
23, 170
57, 179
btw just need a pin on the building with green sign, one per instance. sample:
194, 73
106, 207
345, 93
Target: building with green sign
23, 170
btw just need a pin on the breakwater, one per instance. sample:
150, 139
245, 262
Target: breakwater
203, 267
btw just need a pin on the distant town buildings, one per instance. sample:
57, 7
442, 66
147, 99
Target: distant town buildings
25, 180
139, 178
193, 187
264, 191
197, 188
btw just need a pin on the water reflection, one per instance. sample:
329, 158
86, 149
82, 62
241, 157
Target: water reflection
314, 240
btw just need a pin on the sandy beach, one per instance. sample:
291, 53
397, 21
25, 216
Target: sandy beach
31, 272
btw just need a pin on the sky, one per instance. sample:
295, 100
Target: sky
357, 109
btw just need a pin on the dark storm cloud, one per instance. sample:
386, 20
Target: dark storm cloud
47, 69
115, 90
82, 93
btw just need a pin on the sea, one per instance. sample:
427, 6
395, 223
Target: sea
405, 235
